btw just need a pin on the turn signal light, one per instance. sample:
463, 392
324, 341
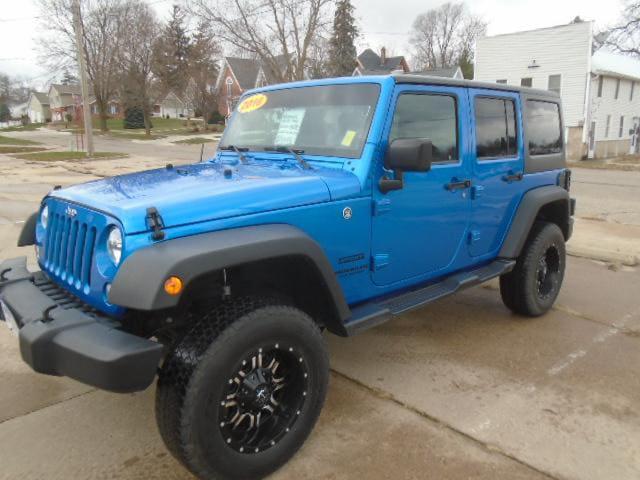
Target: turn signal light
173, 286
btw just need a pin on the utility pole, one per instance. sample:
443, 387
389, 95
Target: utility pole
82, 64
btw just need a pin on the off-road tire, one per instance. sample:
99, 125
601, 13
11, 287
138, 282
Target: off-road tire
196, 372
520, 289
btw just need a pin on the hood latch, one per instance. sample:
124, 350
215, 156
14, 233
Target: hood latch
155, 223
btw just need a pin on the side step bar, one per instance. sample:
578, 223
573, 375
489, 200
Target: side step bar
379, 311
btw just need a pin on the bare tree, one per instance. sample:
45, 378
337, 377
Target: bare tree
136, 59
278, 32
104, 23
624, 37
444, 36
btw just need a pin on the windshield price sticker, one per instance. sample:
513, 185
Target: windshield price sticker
290, 124
252, 103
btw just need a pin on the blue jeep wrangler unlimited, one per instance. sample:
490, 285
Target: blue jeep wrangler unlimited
333, 204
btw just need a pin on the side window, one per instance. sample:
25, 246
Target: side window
543, 127
429, 116
496, 131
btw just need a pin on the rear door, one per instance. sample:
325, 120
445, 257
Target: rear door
498, 167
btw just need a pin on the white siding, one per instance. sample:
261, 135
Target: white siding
564, 50
608, 105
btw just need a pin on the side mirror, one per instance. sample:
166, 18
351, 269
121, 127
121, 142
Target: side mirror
406, 155
409, 155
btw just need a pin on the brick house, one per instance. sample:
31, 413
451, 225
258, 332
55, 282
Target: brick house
370, 63
238, 75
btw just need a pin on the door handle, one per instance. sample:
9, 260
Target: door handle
457, 185
512, 177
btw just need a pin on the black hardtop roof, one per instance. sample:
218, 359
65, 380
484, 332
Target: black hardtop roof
454, 82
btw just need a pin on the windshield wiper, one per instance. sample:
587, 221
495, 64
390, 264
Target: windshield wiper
296, 152
238, 150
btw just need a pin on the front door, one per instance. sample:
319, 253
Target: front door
591, 148
633, 149
498, 168
418, 231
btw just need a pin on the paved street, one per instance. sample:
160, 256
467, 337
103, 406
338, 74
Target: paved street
460, 389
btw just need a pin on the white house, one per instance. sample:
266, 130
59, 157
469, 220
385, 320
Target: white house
172, 106
38, 107
597, 89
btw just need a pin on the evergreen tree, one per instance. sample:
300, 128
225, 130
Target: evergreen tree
5, 113
134, 117
171, 53
68, 78
342, 50
203, 69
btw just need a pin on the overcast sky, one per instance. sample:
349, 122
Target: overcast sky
382, 22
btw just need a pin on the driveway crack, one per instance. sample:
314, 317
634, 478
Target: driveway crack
487, 447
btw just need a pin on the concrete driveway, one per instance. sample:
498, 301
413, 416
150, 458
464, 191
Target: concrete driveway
460, 389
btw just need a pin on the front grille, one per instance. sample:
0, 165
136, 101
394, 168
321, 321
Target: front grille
69, 250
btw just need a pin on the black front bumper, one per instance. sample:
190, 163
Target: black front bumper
61, 336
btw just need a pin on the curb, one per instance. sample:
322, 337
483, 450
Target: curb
608, 256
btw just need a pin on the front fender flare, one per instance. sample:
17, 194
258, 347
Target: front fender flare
140, 279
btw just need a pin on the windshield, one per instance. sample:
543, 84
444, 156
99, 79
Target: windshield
330, 120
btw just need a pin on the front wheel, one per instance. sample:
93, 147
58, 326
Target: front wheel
242, 391
534, 284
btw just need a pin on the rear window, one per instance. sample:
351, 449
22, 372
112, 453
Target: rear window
496, 131
543, 127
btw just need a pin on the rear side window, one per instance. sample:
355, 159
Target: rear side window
496, 132
543, 127
432, 117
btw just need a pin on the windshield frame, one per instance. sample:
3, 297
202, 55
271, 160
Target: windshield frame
304, 150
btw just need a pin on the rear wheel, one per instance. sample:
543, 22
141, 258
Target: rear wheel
534, 284
242, 391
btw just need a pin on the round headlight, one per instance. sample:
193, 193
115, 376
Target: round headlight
114, 245
44, 216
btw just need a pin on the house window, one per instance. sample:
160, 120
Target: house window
633, 87
600, 84
112, 109
617, 88
621, 126
496, 133
526, 82
543, 127
229, 83
502, 81
608, 124
554, 83
428, 116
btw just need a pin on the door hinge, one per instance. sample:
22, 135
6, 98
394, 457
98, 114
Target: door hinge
381, 206
379, 261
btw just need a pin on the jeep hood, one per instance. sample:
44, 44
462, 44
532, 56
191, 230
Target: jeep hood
201, 192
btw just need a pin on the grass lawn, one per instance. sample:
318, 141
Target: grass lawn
25, 128
16, 141
161, 126
133, 135
196, 140
625, 163
5, 149
53, 156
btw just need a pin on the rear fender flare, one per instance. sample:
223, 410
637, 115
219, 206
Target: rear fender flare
530, 205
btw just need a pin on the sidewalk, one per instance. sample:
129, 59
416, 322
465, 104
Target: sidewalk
606, 241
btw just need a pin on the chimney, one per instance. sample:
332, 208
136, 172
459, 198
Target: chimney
383, 55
